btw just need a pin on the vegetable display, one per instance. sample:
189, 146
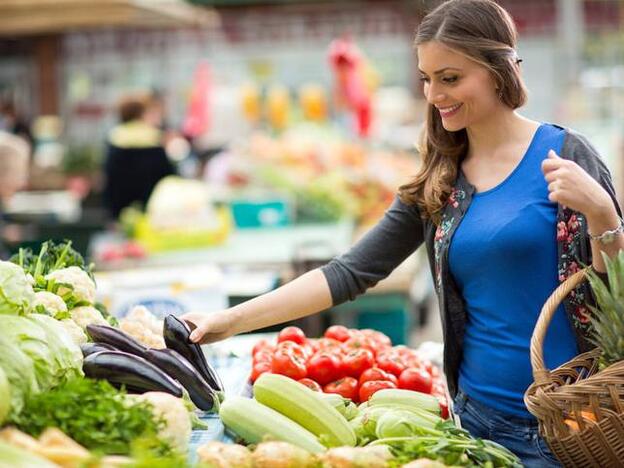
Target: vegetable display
46, 301
352, 363
109, 397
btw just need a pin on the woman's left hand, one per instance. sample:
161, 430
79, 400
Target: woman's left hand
571, 186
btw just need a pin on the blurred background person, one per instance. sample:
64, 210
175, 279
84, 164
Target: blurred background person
11, 121
135, 158
14, 159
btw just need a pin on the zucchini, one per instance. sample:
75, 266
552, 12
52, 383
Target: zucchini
253, 422
392, 396
305, 407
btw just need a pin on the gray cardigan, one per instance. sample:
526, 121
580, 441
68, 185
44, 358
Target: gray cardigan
402, 230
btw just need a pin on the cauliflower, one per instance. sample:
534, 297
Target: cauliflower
87, 315
177, 430
141, 334
75, 332
79, 283
52, 303
142, 315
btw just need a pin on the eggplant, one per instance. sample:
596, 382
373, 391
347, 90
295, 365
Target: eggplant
176, 333
116, 338
178, 367
133, 372
92, 348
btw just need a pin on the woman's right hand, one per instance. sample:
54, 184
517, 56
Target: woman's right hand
211, 326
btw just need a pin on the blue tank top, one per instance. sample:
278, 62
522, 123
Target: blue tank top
503, 257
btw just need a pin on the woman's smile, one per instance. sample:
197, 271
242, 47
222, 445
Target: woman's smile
450, 111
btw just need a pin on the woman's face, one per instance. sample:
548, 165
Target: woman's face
462, 91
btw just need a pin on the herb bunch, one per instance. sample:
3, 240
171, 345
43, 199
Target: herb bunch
94, 414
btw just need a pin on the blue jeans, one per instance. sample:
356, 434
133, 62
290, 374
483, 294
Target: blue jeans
519, 435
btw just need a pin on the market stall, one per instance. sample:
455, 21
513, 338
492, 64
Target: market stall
82, 385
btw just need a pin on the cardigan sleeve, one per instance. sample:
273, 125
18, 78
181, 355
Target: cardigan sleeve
399, 233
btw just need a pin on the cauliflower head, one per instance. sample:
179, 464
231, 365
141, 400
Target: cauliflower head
52, 303
177, 430
78, 282
87, 315
74, 331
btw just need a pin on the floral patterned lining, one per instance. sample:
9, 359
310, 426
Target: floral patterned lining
571, 226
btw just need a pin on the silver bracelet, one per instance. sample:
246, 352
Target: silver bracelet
608, 236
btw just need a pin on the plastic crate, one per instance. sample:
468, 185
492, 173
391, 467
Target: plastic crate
159, 240
265, 213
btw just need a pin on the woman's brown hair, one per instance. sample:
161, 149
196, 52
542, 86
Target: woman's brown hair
484, 32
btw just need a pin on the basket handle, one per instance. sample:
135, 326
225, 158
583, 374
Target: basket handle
541, 375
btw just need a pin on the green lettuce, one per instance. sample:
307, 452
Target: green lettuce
20, 372
67, 356
5, 396
16, 293
30, 338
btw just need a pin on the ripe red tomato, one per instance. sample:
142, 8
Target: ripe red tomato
375, 373
324, 368
359, 341
258, 369
380, 338
292, 347
314, 344
328, 343
262, 356
391, 362
311, 384
369, 388
294, 334
357, 361
288, 364
337, 332
417, 379
347, 387
262, 345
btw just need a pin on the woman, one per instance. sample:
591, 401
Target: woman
135, 158
507, 208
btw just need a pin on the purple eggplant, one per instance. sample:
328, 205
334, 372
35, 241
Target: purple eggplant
133, 372
92, 348
176, 333
116, 338
178, 367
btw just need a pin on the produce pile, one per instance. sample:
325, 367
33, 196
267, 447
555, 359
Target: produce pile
350, 362
329, 176
77, 390
394, 428
67, 374
348, 399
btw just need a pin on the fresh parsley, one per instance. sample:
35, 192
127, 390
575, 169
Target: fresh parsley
94, 414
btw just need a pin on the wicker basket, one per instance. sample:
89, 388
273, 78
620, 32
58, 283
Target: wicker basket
557, 399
